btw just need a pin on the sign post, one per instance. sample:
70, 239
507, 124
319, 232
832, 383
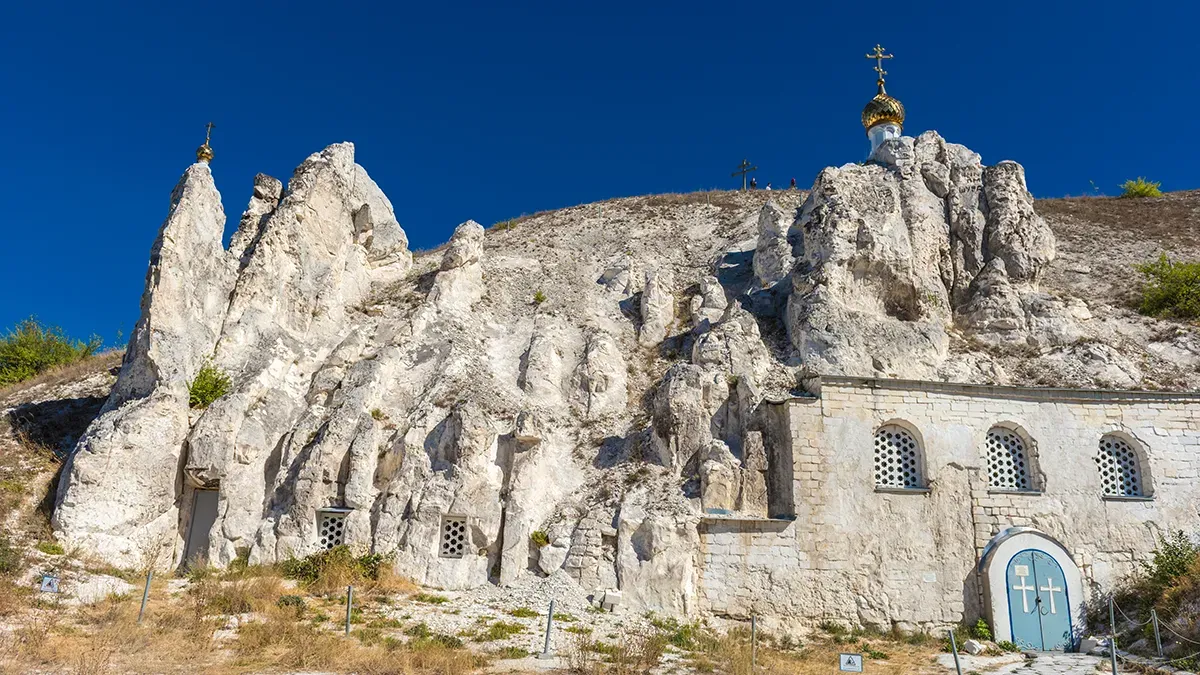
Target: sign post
850, 663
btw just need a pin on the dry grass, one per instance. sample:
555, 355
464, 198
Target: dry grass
66, 373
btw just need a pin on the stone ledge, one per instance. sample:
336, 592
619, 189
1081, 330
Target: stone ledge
1008, 391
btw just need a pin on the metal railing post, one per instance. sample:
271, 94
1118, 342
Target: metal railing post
349, 604
145, 595
1112, 637
954, 650
753, 642
546, 653
1157, 637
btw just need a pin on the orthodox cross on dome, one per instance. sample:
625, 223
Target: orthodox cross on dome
879, 56
743, 169
204, 153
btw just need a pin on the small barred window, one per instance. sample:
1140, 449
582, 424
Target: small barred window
454, 537
1007, 462
1120, 471
897, 458
331, 528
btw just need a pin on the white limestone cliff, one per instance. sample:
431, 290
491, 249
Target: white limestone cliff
594, 373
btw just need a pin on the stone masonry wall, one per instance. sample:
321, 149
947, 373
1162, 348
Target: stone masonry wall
870, 556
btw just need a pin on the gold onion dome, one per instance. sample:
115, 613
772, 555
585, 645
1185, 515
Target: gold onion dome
204, 153
883, 108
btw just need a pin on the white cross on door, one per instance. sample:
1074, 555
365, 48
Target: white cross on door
1025, 588
1051, 590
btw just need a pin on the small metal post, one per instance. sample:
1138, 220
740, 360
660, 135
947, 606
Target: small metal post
349, 604
753, 642
954, 650
1157, 638
145, 595
546, 653
1112, 637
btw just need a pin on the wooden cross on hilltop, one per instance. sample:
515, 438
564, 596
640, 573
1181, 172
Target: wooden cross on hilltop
743, 169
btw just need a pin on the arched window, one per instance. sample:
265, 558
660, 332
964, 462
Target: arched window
1008, 462
897, 458
1120, 468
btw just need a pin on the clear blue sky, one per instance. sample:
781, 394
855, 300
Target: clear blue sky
483, 111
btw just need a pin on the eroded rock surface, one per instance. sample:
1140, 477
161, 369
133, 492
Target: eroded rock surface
594, 375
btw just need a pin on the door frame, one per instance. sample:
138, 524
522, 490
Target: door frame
993, 571
1037, 593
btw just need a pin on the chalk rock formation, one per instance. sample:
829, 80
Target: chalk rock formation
541, 378
897, 251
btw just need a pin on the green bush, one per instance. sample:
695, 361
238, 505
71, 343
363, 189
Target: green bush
540, 538
1007, 646
539, 298
1172, 289
295, 602
1140, 188
522, 613
980, 630
50, 547
10, 557
32, 348
210, 384
348, 567
1173, 557
431, 598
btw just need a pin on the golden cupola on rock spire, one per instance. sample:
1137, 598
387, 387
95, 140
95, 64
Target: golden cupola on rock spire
883, 116
204, 153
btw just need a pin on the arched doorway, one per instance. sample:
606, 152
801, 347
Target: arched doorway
1033, 590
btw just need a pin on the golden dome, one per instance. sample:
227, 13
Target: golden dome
204, 153
882, 109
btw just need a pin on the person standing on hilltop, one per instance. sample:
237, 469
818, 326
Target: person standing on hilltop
753, 184
793, 184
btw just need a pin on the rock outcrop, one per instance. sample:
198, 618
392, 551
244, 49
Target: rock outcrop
593, 375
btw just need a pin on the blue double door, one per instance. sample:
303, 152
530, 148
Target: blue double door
1038, 608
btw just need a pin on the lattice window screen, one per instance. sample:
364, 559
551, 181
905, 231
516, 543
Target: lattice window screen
454, 537
897, 458
1007, 461
1120, 471
331, 528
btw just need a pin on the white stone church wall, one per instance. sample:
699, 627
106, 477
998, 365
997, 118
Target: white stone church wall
872, 557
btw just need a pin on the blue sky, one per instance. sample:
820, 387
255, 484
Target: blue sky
491, 110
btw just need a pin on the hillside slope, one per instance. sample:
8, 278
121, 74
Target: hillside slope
580, 373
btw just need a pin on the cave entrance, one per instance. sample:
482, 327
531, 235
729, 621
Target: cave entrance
204, 515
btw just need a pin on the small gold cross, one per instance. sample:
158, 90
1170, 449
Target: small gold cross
879, 56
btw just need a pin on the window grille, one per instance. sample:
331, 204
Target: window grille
1120, 471
454, 537
331, 529
1007, 461
897, 458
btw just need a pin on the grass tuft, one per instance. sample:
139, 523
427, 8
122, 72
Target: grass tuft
1140, 188
1171, 289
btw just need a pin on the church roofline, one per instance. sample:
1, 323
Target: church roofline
999, 391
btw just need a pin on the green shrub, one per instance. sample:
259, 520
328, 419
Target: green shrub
539, 298
511, 652
1172, 289
431, 598
1140, 188
377, 414
1007, 646
500, 630
522, 613
540, 538
295, 602
210, 384
32, 348
419, 630
50, 547
1172, 559
338, 566
980, 630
